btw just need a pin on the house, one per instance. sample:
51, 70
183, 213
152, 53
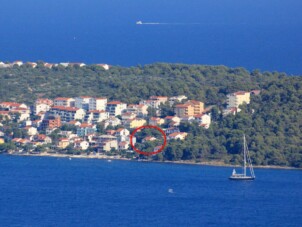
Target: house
31, 131
236, 99
41, 107
107, 142
67, 113
189, 119
20, 141
43, 139
156, 121
2, 141
24, 113
178, 98
5, 114
255, 92
3, 65
128, 116
161, 99
13, 106
151, 103
112, 121
63, 101
121, 132
94, 116
177, 135
79, 64
32, 64
169, 119
110, 132
140, 110
51, 122
63, 143
64, 64
74, 122
123, 145
49, 102
135, 123
99, 103
115, 108
203, 119
84, 129
18, 63
171, 130
148, 139
48, 65
104, 66
231, 110
81, 145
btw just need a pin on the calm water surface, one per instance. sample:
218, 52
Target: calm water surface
255, 34
37, 191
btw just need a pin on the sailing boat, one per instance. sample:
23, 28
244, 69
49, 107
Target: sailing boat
246, 158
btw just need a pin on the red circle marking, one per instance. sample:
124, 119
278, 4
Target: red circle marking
143, 152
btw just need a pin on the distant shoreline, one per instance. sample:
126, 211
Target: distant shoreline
106, 157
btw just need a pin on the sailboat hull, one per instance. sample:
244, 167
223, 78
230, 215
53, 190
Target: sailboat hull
241, 178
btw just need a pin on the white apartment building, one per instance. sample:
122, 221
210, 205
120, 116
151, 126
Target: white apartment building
98, 103
67, 113
62, 101
94, 116
115, 108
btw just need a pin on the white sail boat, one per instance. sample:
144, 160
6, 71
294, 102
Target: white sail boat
246, 160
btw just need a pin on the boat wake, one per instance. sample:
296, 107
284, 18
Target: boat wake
162, 23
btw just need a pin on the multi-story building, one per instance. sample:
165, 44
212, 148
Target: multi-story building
82, 102
183, 110
197, 106
115, 108
42, 107
51, 122
97, 104
85, 129
189, 108
94, 116
67, 113
62, 101
236, 99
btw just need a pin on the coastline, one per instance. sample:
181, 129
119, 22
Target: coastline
118, 157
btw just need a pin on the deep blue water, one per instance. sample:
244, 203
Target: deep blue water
255, 34
36, 191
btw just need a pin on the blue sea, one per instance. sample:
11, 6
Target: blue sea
255, 34
41, 191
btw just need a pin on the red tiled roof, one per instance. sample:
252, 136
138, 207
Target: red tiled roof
63, 108
182, 105
240, 93
114, 103
62, 99
11, 104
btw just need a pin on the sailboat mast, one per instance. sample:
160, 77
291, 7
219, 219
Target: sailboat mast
244, 156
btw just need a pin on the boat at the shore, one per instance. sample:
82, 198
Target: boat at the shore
246, 160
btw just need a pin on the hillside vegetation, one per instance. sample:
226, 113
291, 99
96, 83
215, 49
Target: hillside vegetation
272, 122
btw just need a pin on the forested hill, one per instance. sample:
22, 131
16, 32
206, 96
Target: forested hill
272, 122
207, 83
